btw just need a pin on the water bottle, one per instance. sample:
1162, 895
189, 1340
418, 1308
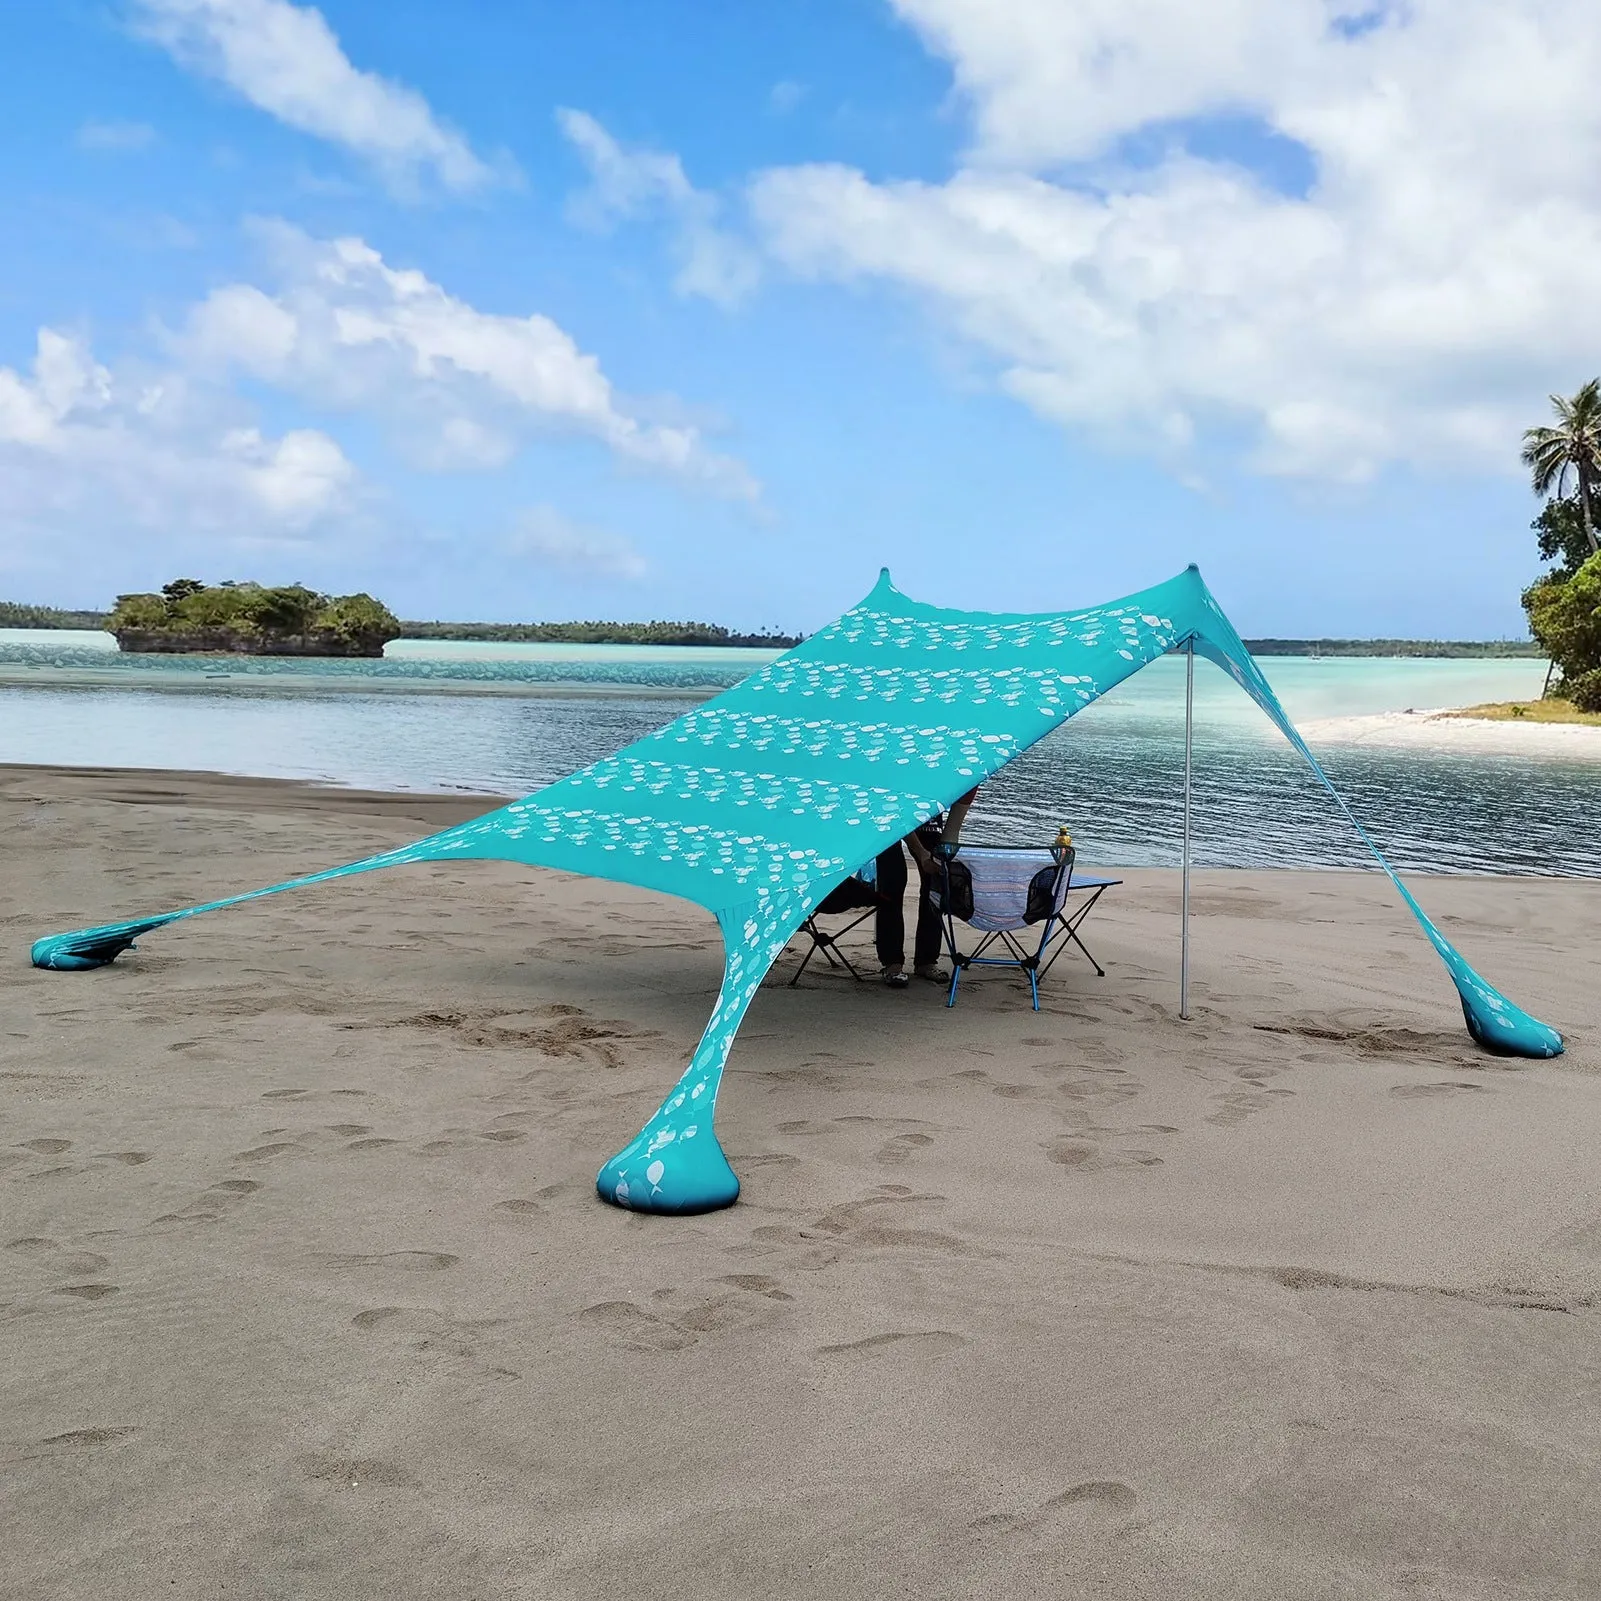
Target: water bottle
1064, 843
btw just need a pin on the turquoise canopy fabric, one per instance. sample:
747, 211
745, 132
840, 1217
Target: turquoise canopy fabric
759, 802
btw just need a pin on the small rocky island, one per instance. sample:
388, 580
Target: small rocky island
252, 620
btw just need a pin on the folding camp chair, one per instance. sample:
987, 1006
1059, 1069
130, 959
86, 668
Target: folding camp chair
855, 894
1000, 890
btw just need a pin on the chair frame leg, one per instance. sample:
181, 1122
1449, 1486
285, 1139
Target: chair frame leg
1068, 933
1059, 931
828, 944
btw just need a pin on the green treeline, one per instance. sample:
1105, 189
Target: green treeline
1485, 649
596, 633
13, 614
1564, 607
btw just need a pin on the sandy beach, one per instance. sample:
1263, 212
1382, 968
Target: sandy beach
306, 1291
1443, 729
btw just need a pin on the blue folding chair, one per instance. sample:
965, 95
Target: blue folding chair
1003, 890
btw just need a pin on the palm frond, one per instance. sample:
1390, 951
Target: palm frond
1573, 445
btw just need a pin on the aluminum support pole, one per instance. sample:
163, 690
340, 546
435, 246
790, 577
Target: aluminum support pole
1189, 734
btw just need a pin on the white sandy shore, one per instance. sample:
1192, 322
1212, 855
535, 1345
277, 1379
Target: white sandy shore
305, 1290
1433, 729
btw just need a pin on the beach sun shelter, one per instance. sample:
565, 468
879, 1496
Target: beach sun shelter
759, 802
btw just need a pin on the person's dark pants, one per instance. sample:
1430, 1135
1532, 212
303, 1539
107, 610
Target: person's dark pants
891, 922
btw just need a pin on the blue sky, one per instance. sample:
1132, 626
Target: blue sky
528, 311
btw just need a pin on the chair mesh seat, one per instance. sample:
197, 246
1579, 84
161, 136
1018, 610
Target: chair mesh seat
1008, 890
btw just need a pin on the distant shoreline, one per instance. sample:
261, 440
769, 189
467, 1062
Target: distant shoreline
1432, 649
667, 635
52, 619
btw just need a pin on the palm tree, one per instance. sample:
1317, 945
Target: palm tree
1573, 445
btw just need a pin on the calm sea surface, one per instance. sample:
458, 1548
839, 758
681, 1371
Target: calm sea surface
508, 719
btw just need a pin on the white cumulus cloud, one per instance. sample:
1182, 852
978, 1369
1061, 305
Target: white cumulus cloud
467, 386
1441, 273
286, 60
90, 458
638, 183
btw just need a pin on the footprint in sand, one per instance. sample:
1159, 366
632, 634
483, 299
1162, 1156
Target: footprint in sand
861, 1223
757, 1284
260, 1153
374, 1315
1021, 1092
1107, 1496
634, 1329
772, 1159
306, 1093
59, 1261
354, 1472
1081, 1157
1097, 1086
1416, 1092
814, 1075
127, 1158
42, 1084
676, 1319
903, 1342
469, 1342
1112, 1494
48, 1147
802, 1254
87, 1292
81, 1439
892, 1153
204, 1209
1239, 1106
399, 1261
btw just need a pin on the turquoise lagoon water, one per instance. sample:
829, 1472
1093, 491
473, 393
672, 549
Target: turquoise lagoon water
418, 664
507, 719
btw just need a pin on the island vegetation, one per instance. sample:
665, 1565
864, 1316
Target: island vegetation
1564, 604
1487, 649
15, 614
252, 619
597, 633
